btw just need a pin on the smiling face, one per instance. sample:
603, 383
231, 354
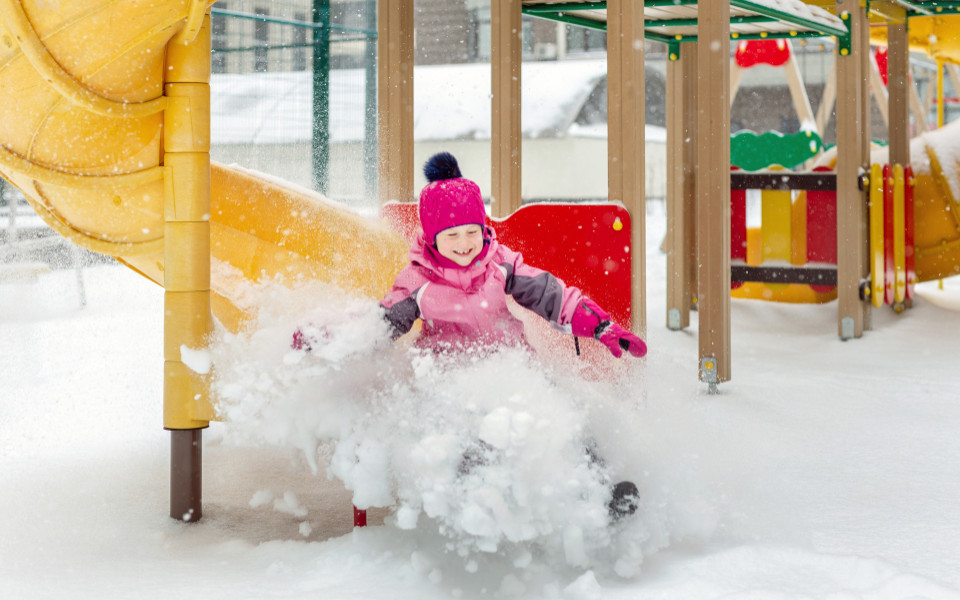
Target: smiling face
461, 244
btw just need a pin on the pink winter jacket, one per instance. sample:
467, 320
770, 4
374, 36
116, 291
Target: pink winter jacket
462, 306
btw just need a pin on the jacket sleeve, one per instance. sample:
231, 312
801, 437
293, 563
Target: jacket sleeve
539, 291
400, 305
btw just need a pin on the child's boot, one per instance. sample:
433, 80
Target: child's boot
625, 500
476, 455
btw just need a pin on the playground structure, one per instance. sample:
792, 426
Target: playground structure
110, 144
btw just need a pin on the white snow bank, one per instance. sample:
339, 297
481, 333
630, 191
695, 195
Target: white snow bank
450, 102
822, 470
395, 424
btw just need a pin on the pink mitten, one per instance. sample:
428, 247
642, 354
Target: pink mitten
304, 338
591, 320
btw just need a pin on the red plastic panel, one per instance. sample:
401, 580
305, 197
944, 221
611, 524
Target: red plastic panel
880, 55
822, 229
753, 52
585, 245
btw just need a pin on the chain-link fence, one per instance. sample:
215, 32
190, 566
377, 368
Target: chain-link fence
293, 93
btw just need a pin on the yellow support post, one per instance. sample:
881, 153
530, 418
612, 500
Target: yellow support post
876, 235
186, 275
899, 237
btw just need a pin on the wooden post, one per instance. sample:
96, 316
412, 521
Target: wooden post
690, 74
917, 109
681, 185
395, 100
827, 100
898, 82
878, 89
798, 92
625, 139
713, 189
851, 158
506, 57
861, 45
736, 76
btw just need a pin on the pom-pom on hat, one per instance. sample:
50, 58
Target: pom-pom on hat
449, 199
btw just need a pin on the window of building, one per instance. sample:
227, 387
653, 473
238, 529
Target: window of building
261, 38
480, 21
300, 40
218, 41
582, 40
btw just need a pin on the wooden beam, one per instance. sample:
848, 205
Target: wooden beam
898, 102
798, 92
953, 72
861, 46
851, 159
395, 100
916, 108
506, 46
879, 92
736, 77
713, 187
690, 72
827, 100
681, 186
625, 138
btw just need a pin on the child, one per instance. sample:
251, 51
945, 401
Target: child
459, 276
457, 282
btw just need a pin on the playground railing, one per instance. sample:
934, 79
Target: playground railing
892, 254
793, 254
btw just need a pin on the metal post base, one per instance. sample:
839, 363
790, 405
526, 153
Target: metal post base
186, 470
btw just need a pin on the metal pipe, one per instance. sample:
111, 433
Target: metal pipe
186, 474
320, 144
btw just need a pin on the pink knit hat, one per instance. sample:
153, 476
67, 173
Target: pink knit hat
449, 200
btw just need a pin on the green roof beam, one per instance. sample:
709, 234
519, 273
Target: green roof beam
547, 9
789, 18
927, 8
562, 17
765, 14
766, 35
736, 20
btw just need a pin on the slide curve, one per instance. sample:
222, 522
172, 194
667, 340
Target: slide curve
935, 158
81, 134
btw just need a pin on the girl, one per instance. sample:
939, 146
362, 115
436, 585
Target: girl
457, 282
459, 276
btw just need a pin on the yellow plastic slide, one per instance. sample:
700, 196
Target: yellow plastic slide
936, 35
936, 165
81, 134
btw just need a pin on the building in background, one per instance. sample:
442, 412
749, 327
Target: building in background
446, 32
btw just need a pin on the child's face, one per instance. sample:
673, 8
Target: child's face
460, 244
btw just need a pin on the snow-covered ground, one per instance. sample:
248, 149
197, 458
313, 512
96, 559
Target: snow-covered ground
825, 469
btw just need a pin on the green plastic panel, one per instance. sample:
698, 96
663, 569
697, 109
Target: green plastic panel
753, 152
